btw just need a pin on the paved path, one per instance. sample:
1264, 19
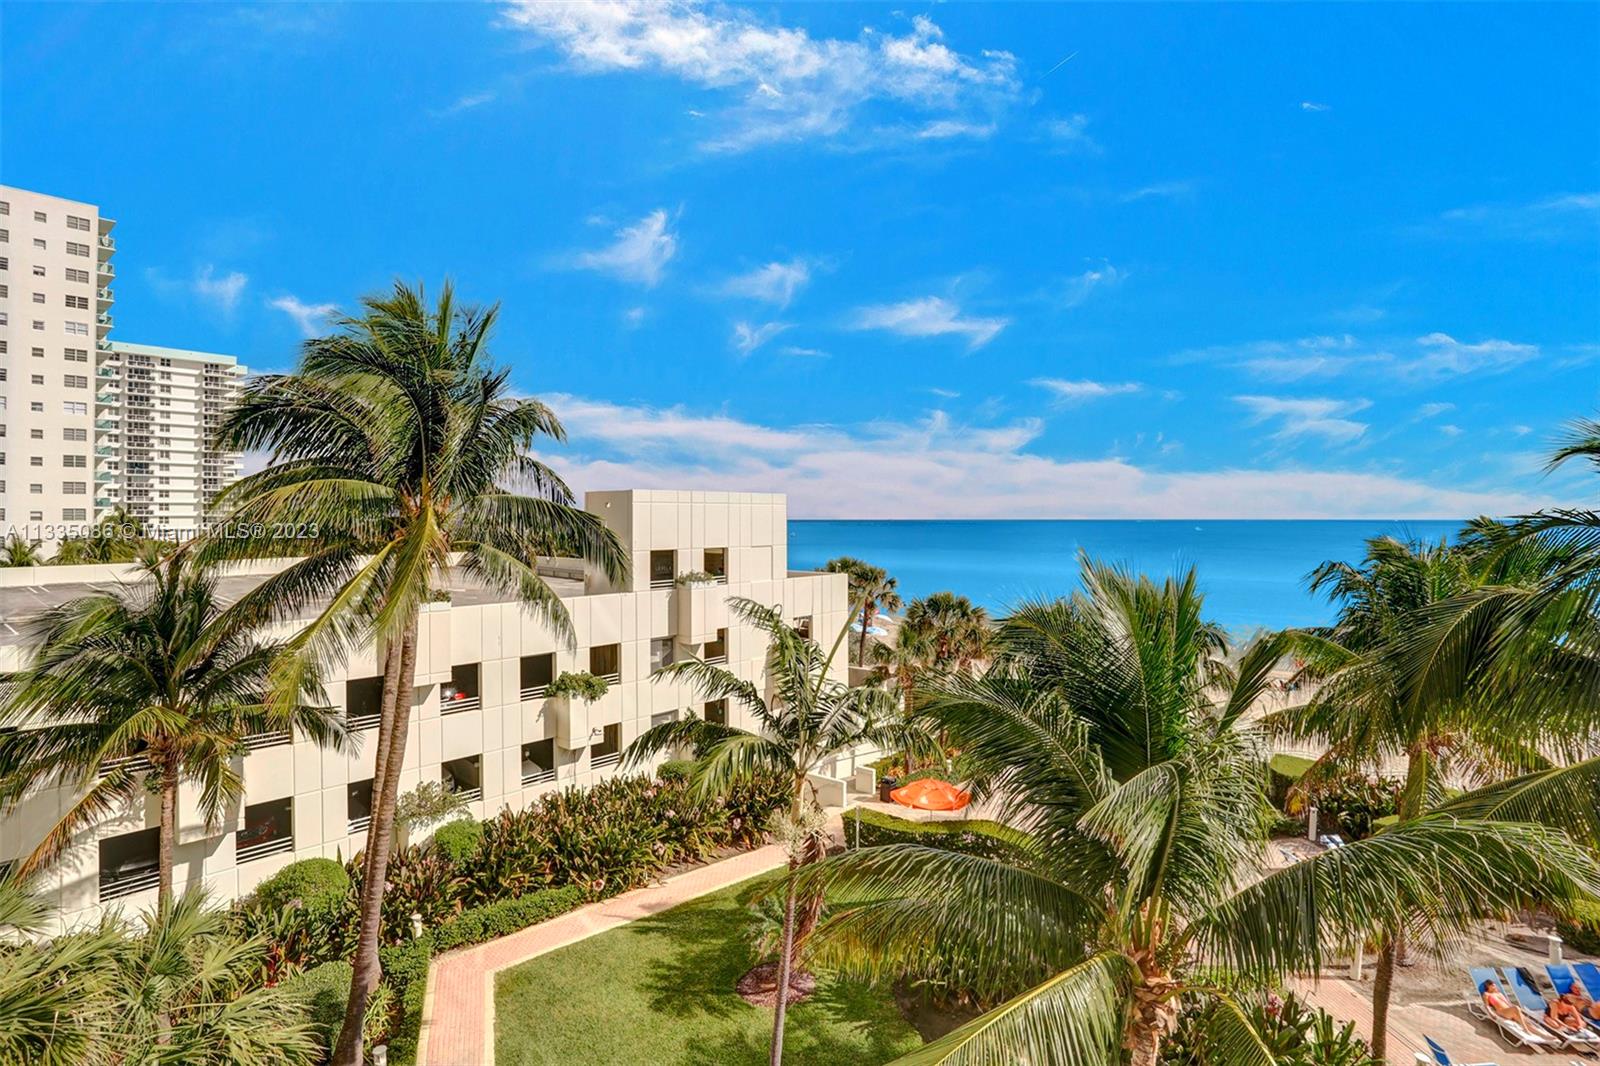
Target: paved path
458, 1011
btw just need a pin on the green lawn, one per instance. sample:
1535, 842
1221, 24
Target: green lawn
660, 991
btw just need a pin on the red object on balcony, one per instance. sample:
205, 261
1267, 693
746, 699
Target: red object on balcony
931, 794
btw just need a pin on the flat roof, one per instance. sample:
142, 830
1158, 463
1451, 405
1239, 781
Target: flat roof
19, 604
173, 353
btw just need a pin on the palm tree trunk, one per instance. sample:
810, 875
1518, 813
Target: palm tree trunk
784, 959
866, 620
1382, 984
1144, 1046
168, 834
392, 731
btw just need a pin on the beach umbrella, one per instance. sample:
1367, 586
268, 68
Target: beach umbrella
931, 794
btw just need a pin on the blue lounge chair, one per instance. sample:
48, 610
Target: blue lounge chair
1532, 1035
1443, 1059
1534, 1005
1589, 974
1563, 980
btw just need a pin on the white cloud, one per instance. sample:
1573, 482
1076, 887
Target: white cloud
1072, 132
1161, 190
1434, 410
775, 283
221, 292
946, 129
1441, 354
747, 338
311, 318
781, 83
633, 317
1297, 418
940, 468
944, 394
1566, 216
1450, 431
931, 316
640, 253
1428, 358
1082, 391
1082, 286
466, 102
804, 353
1312, 105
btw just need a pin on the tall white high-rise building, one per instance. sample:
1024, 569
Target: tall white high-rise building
88, 425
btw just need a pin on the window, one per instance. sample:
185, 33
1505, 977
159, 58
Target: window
5, 291
537, 673
716, 651
660, 652
363, 702
38, 243
74, 248
77, 462
716, 712
40, 216
5, 207
605, 660
802, 625
538, 762
75, 381
80, 276
35, 460
5, 262
36, 489
77, 303
663, 569
75, 434
74, 488
38, 353
72, 514
463, 777
78, 222
717, 563
609, 751
268, 830
76, 355
5, 236
129, 863
36, 379
663, 718
77, 329
75, 407
358, 803
462, 693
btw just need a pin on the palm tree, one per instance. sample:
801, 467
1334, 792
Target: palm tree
958, 631
400, 450
810, 719
152, 679
902, 663
19, 552
1100, 729
1381, 701
55, 997
872, 588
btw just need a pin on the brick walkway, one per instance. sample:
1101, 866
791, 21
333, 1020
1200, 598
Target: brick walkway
458, 1012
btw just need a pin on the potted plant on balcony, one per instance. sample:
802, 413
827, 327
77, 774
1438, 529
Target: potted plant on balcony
691, 578
580, 685
572, 723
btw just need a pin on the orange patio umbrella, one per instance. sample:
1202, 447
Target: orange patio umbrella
931, 794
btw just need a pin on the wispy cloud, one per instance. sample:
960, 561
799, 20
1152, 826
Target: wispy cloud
944, 394
931, 316
1161, 190
1434, 410
939, 467
1081, 286
640, 252
1432, 357
310, 318
1074, 392
774, 283
1567, 216
946, 129
1071, 133
1297, 418
747, 338
221, 291
803, 353
1312, 105
781, 83
466, 102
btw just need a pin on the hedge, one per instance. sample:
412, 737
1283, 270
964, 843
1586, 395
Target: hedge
318, 884
1284, 772
457, 840
972, 837
324, 989
676, 770
1581, 929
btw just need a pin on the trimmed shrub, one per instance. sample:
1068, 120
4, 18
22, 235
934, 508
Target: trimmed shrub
975, 837
505, 917
458, 840
679, 770
405, 973
579, 686
1283, 773
319, 884
324, 990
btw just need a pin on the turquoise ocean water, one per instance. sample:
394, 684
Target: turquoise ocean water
1252, 572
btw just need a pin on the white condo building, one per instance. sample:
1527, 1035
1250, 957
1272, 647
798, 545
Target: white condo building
482, 723
87, 424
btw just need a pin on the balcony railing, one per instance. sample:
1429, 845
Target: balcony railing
454, 706
611, 678
535, 692
717, 659
359, 825
538, 777
107, 269
277, 738
105, 295
134, 764
115, 886
662, 582
470, 795
251, 852
108, 241
601, 762
363, 721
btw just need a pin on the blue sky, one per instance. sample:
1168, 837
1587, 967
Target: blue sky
958, 260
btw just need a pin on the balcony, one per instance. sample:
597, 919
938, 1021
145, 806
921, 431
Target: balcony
107, 372
701, 609
104, 295
102, 501
106, 423
461, 693
252, 852
537, 673
104, 476
116, 885
103, 321
538, 763
275, 738
106, 269
463, 777
108, 243
129, 863
102, 344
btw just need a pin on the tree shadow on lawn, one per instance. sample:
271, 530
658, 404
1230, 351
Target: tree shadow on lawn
709, 952
862, 1028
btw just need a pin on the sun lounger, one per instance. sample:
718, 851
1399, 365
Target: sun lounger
1440, 1058
1589, 974
1563, 980
1514, 1034
1533, 1006
1331, 840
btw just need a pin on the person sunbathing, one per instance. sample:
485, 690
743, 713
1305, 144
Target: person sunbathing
1580, 1001
1563, 1017
1496, 1001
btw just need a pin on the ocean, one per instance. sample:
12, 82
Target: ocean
1253, 573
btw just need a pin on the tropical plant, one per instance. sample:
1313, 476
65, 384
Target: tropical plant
871, 589
1112, 730
429, 803
810, 719
18, 551
580, 685
400, 448
147, 685
695, 577
957, 632
120, 537
56, 995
